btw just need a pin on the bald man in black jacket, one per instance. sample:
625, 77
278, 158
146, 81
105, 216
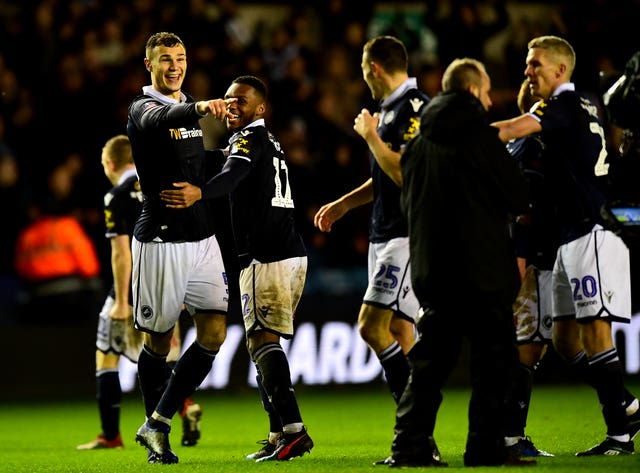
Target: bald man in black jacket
460, 188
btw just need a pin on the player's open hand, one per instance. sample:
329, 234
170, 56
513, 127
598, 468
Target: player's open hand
328, 214
182, 196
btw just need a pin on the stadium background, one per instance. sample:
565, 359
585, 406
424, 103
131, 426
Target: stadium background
68, 70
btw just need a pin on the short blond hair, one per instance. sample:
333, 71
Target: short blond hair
462, 73
560, 49
118, 150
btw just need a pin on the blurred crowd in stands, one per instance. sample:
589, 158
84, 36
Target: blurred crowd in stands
69, 69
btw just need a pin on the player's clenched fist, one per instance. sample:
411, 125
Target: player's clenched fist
365, 124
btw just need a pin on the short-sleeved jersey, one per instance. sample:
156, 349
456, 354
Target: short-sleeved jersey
575, 149
167, 146
399, 122
122, 206
262, 206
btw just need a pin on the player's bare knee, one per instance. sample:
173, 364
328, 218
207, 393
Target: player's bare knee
375, 336
212, 340
158, 344
531, 353
403, 332
369, 332
566, 348
257, 338
596, 338
211, 330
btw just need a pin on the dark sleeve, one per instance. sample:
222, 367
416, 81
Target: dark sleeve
214, 161
555, 113
410, 124
508, 179
150, 114
114, 212
233, 171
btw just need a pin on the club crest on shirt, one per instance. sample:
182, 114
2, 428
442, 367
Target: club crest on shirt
388, 117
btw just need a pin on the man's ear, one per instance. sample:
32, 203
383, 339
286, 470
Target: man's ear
562, 68
375, 68
147, 64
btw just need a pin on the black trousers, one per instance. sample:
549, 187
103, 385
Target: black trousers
486, 320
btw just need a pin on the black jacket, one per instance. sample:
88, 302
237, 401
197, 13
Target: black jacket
459, 188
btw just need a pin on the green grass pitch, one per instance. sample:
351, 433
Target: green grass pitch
351, 428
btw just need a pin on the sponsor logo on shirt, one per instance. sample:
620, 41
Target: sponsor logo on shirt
416, 104
183, 133
240, 145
